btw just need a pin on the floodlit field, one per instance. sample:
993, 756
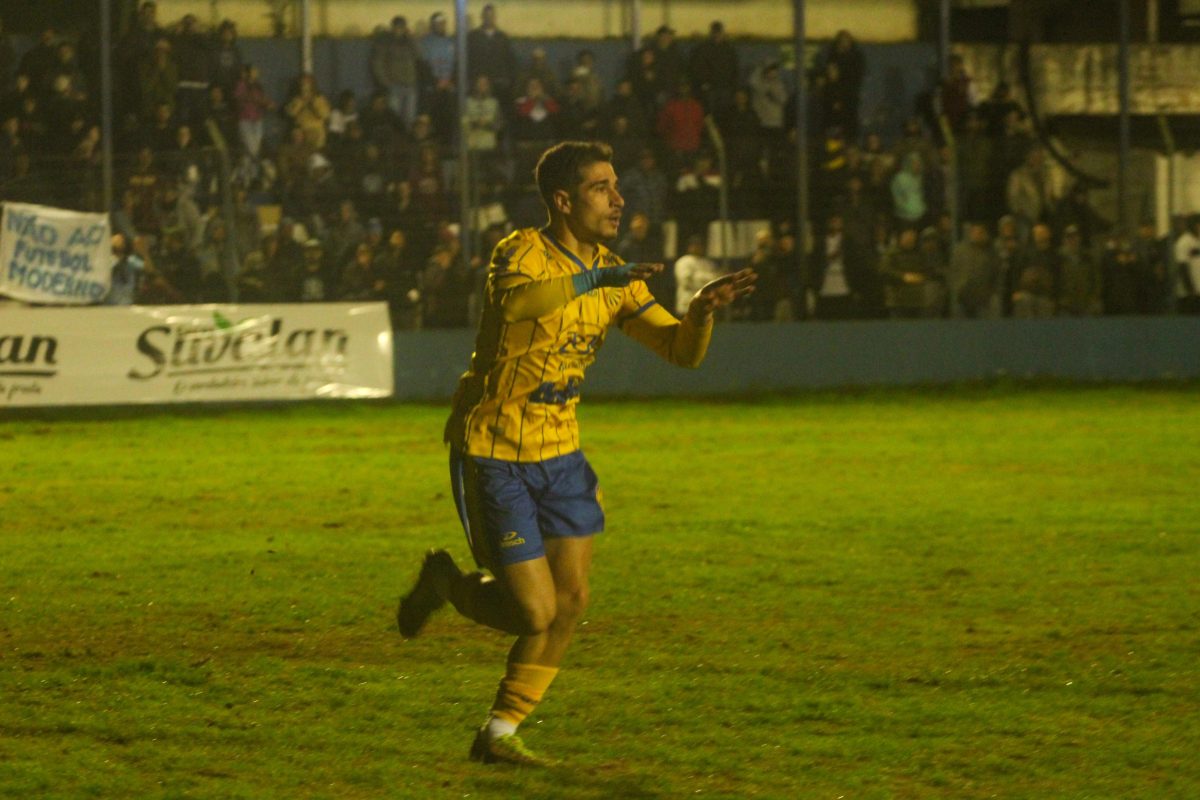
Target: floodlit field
958, 594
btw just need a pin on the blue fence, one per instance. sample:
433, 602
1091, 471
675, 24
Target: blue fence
793, 356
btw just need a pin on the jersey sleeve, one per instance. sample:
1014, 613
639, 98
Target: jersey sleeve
681, 342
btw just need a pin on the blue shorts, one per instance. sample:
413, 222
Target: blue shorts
507, 507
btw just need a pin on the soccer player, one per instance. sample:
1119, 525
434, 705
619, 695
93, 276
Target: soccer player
528, 500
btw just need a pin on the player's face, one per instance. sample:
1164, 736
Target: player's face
595, 210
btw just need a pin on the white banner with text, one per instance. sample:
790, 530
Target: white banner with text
193, 354
51, 255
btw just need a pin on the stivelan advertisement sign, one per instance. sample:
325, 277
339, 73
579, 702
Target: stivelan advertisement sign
193, 354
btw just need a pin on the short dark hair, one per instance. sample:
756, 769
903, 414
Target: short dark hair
561, 167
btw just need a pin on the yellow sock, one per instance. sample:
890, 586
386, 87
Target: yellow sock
521, 689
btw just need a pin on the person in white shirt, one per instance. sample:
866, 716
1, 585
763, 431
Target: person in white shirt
1187, 266
692, 270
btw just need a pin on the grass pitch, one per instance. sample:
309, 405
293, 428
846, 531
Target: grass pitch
960, 594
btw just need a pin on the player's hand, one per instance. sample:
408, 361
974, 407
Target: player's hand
721, 292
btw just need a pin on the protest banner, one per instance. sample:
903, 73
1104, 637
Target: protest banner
54, 256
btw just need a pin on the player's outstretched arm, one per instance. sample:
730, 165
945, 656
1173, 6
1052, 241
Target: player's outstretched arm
685, 342
532, 299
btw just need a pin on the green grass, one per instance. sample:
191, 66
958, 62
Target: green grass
944, 594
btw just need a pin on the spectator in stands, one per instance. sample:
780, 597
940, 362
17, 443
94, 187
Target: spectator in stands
536, 114
638, 245
740, 128
692, 271
423, 193
12, 96
1029, 190
768, 97
779, 294
226, 57
645, 189
38, 61
11, 143
445, 282
374, 181
908, 193
681, 126
1187, 267
402, 281
291, 161
179, 212
255, 278
438, 51
974, 278
394, 67
646, 82
128, 262
217, 261
978, 178
143, 182
66, 67
190, 48
538, 67
489, 52
584, 71
1075, 209
344, 111
626, 144
1080, 285
309, 110
343, 236
251, 105
1123, 279
158, 81
834, 101
713, 69
221, 112
668, 60
156, 289
998, 109
625, 103
1154, 256
846, 55
1038, 282
840, 278
381, 125
576, 120
958, 94
910, 290
314, 283
178, 264
483, 119
696, 197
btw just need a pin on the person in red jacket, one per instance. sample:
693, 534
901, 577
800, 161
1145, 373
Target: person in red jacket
681, 125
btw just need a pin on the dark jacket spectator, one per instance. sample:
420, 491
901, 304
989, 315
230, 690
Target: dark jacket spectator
714, 70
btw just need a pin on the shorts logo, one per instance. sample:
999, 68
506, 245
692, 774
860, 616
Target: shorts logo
511, 539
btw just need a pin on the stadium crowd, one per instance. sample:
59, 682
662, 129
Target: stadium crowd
356, 199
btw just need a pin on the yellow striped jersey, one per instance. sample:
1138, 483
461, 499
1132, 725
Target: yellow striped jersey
517, 401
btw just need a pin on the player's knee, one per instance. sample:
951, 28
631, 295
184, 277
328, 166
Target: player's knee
571, 605
536, 618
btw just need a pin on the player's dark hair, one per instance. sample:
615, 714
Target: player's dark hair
561, 167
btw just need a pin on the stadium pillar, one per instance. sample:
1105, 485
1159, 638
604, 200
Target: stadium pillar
464, 163
106, 105
306, 43
802, 238
635, 24
1124, 140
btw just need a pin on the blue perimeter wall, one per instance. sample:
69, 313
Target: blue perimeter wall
781, 357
